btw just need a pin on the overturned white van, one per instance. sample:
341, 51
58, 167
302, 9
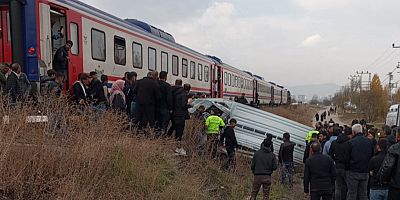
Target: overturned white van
254, 124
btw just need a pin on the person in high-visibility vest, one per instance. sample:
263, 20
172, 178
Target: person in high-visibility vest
214, 124
309, 134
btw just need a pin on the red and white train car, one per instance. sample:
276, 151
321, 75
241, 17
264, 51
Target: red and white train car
112, 46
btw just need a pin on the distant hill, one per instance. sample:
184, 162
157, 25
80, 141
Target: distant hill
322, 90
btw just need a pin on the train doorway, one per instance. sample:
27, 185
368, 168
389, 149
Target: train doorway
5, 35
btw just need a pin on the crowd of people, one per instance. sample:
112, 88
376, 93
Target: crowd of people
340, 162
356, 162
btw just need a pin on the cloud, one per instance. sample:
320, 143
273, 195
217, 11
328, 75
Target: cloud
311, 41
315, 5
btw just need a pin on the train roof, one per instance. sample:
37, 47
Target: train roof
131, 26
234, 69
247, 72
215, 58
258, 77
151, 29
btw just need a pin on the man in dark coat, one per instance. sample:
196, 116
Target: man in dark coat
286, 159
13, 87
390, 169
317, 117
130, 83
96, 92
262, 166
3, 80
339, 153
242, 99
147, 93
319, 175
378, 190
164, 106
307, 151
180, 114
60, 61
80, 89
230, 142
360, 153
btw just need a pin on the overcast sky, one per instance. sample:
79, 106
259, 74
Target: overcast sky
291, 42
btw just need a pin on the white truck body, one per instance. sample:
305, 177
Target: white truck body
254, 124
392, 117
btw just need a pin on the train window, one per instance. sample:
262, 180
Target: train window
236, 81
98, 45
164, 61
137, 55
206, 73
184, 68
175, 64
230, 79
119, 50
225, 78
8, 27
152, 59
192, 70
200, 72
74, 38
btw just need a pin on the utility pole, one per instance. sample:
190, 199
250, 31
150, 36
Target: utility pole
367, 84
391, 85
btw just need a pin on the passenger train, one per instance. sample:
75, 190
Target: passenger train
32, 31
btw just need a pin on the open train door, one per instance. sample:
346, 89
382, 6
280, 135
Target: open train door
216, 84
255, 93
5, 34
75, 64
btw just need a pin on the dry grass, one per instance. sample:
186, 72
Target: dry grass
91, 155
97, 158
300, 113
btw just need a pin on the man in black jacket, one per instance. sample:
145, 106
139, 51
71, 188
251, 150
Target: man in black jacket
390, 169
96, 92
60, 61
360, 153
242, 99
130, 82
180, 114
262, 166
147, 93
378, 190
286, 159
13, 88
230, 142
307, 151
319, 175
338, 152
164, 106
80, 89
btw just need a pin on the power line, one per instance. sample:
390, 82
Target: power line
381, 56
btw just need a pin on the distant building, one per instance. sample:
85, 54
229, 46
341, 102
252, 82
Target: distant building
301, 98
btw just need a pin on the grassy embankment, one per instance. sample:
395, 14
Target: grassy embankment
99, 159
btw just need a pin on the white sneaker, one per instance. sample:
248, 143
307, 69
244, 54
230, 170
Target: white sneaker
177, 150
182, 152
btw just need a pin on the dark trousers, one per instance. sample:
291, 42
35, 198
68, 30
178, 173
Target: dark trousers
265, 182
163, 118
146, 115
325, 195
171, 128
394, 193
356, 185
231, 158
179, 128
340, 185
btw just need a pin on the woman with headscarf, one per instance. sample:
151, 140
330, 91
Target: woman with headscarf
117, 99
